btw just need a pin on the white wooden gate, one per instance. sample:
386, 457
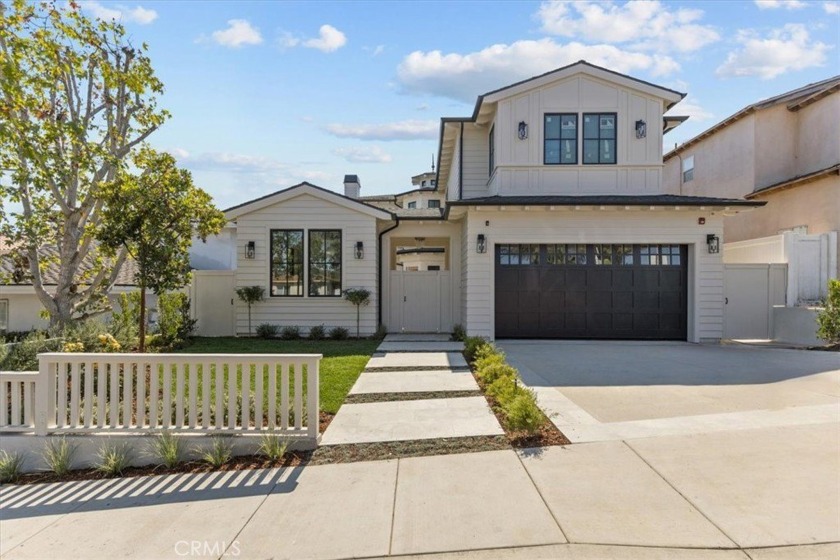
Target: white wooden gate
751, 291
420, 302
212, 294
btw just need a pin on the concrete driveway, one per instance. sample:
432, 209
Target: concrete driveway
750, 437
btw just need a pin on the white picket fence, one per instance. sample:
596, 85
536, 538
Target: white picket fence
189, 393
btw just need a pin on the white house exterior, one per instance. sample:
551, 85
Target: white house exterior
549, 220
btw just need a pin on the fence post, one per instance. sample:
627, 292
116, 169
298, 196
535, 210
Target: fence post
313, 419
43, 402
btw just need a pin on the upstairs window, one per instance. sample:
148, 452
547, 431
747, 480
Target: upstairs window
688, 169
434, 203
560, 139
287, 263
492, 149
412, 204
599, 138
325, 263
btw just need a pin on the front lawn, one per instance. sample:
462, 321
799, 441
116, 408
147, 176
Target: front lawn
343, 360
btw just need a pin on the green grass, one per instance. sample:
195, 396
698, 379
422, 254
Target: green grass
343, 360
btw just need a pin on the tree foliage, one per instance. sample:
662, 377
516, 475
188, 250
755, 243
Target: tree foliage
76, 100
152, 212
250, 295
358, 297
828, 319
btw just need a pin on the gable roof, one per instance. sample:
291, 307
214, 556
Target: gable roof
14, 272
283, 195
796, 99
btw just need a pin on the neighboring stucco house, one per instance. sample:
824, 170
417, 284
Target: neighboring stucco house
784, 151
548, 217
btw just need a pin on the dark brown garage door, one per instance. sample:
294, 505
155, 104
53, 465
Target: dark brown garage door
591, 291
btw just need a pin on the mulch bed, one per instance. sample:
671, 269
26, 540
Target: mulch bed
353, 453
419, 396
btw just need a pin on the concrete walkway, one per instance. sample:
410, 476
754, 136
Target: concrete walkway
402, 367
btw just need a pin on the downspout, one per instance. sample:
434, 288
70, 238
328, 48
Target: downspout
461, 163
379, 270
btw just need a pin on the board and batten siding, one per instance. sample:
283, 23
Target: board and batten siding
453, 186
307, 212
476, 163
566, 225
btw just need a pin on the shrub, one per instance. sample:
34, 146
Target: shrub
494, 371
828, 318
174, 322
459, 333
86, 333
358, 297
471, 346
523, 413
486, 356
290, 332
167, 448
58, 455
381, 332
339, 333
219, 453
23, 355
273, 447
503, 389
318, 332
113, 458
267, 330
125, 320
250, 295
11, 466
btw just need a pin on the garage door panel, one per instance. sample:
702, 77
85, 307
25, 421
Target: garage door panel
642, 299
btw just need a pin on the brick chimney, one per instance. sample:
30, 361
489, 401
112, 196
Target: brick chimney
352, 187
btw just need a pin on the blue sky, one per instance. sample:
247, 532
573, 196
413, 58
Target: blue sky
265, 95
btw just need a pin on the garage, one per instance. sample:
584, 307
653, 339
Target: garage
595, 291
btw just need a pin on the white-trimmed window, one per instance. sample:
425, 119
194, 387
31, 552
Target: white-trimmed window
412, 204
4, 315
688, 169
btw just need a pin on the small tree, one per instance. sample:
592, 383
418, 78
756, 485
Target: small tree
829, 318
154, 215
358, 297
250, 295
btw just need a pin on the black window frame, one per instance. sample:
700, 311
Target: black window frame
491, 150
435, 201
271, 264
324, 263
598, 151
560, 138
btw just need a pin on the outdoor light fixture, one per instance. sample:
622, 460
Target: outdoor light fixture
523, 130
641, 129
360, 250
481, 244
250, 250
713, 241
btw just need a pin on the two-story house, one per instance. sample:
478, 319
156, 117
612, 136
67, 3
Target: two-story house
547, 219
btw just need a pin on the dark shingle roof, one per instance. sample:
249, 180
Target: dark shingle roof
604, 200
17, 273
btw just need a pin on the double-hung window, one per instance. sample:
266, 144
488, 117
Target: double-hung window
599, 138
560, 139
286, 263
434, 203
324, 263
688, 169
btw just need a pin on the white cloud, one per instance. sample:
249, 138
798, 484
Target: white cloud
329, 40
179, 153
641, 24
227, 161
363, 154
422, 107
378, 50
782, 50
238, 32
690, 107
831, 7
463, 76
120, 13
776, 4
401, 130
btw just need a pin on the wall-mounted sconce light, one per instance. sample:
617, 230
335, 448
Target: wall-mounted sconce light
250, 250
713, 241
641, 129
360, 250
481, 244
701, 220
523, 130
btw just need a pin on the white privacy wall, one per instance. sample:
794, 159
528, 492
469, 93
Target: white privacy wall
562, 225
307, 212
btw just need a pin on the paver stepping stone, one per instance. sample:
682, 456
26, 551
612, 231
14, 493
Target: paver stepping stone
412, 420
420, 346
459, 502
416, 360
413, 382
